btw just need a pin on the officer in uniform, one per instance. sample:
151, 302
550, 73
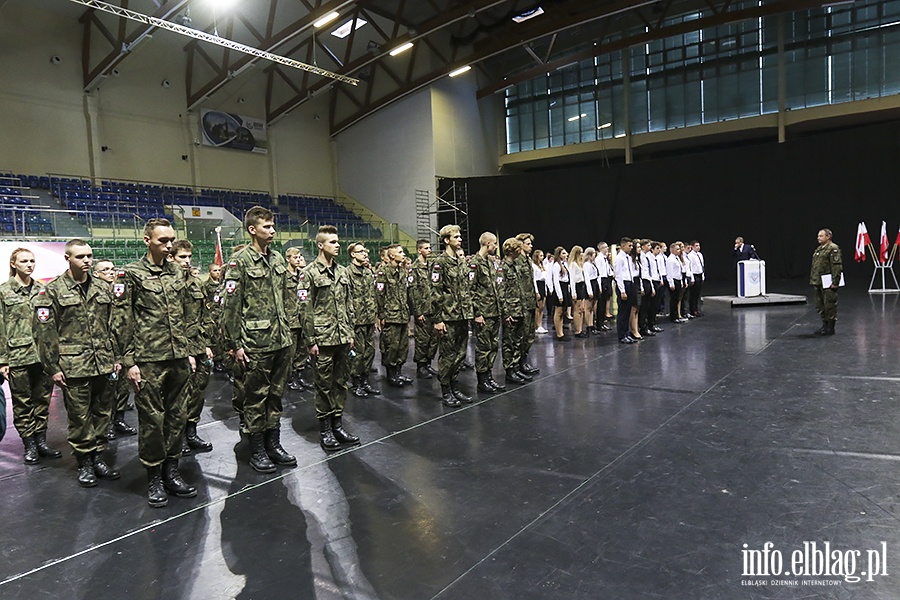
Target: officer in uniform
71, 327
148, 322
391, 284
514, 321
451, 279
328, 329
489, 276
826, 260
529, 295
365, 311
258, 300
199, 328
212, 286
426, 339
296, 262
119, 390
20, 362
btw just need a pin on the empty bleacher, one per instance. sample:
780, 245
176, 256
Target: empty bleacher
17, 215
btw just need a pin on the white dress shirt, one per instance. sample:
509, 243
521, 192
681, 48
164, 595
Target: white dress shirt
624, 269
673, 269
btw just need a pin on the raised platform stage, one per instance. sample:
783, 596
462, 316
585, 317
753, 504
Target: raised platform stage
768, 299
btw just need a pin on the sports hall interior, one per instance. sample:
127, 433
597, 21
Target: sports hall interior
651, 470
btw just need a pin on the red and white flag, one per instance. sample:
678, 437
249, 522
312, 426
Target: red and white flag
897, 241
219, 260
862, 240
883, 251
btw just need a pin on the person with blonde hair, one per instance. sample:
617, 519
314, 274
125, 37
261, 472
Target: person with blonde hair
540, 283
607, 282
562, 294
579, 290
592, 281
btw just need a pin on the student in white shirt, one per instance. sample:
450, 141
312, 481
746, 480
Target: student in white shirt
540, 282
648, 300
663, 295
698, 270
562, 300
579, 290
604, 267
592, 277
674, 273
625, 274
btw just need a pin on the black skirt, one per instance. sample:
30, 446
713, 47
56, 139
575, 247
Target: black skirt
542, 288
567, 295
581, 291
595, 287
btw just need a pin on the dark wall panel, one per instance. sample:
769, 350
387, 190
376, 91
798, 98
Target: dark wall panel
777, 196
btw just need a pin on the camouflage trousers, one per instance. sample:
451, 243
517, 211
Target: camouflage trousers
299, 350
30, 389
514, 340
160, 407
826, 303
453, 350
89, 411
394, 344
197, 388
426, 341
331, 367
486, 344
265, 376
119, 391
237, 390
364, 346
529, 334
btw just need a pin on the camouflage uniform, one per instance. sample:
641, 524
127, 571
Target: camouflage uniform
328, 324
258, 300
451, 278
826, 260
525, 276
298, 348
199, 326
486, 304
362, 293
420, 304
391, 284
72, 330
214, 303
29, 386
511, 306
148, 322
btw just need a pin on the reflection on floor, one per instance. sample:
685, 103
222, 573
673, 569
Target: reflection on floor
654, 470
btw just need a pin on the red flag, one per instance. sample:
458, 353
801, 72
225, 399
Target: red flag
883, 253
862, 239
219, 260
897, 241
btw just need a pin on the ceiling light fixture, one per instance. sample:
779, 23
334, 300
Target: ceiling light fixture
345, 29
401, 48
528, 14
604, 126
326, 19
460, 71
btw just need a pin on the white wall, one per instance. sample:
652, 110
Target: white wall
464, 139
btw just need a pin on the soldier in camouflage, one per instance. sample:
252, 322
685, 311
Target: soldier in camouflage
514, 321
20, 362
391, 284
425, 336
258, 301
826, 260
530, 297
72, 329
148, 322
328, 329
212, 286
199, 333
365, 309
489, 277
451, 279
296, 262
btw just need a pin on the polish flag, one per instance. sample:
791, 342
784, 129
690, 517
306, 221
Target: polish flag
897, 241
219, 259
883, 254
862, 240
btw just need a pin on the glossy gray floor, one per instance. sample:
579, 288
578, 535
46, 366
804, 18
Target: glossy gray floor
621, 472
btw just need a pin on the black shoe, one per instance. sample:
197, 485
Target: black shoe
45, 451
627, 340
423, 372
458, 393
821, 330
497, 386
120, 426
563, 338
356, 388
304, 384
86, 476
326, 436
483, 385
525, 375
156, 492
431, 369
172, 481
343, 436
648, 333
406, 380
218, 366
528, 369
513, 376
658, 329
31, 452
393, 376
368, 387
275, 451
259, 459
829, 329
110, 432
102, 468
242, 426
447, 397
185, 448
194, 441
230, 376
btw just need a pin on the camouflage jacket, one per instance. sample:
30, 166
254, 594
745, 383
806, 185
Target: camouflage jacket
362, 294
451, 278
294, 313
328, 320
258, 301
196, 317
826, 260
214, 305
525, 276
486, 285
148, 316
420, 291
391, 285
510, 291
72, 329
17, 346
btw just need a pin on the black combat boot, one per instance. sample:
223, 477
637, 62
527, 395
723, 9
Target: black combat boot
524, 375
196, 443
294, 383
110, 432
447, 397
156, 492
403, 378
342, 435
120, 426
497, 386
356, 387
327, 441
513, 376
422, 371
483, 385
218, 366
821, 330
242, 425
259, 459
829, 328
86, 477
173, 482
31, 452
431, 369
305, 384
40, 440
393, 376
101, 467
185, 449
458, 393
527, 368
368, 386
276, 451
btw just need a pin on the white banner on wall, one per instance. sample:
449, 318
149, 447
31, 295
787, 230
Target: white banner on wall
227, 130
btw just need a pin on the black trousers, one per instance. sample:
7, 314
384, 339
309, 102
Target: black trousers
674, 298
624, 313
696, 289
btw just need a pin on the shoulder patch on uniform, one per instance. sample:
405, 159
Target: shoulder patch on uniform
43, 314
118, 290
435, 277
303, 294
230, 285
232, 264
42, 291
301, 275
120, 274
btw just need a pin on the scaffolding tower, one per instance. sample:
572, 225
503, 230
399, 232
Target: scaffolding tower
449, 207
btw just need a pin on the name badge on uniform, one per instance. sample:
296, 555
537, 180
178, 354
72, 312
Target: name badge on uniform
379, 286
118, 290
303, 294
43, 314
230, 285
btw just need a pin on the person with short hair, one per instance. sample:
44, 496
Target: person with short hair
365, 319
212, 286
530, 295
296, 263
626, 272
391, 287
826, 260
485, 287
513, 313
424, 335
